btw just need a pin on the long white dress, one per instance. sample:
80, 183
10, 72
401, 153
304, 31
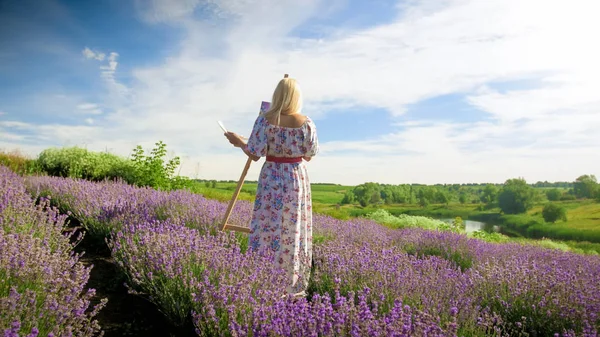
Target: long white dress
282, 217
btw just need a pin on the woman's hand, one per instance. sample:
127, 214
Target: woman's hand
235, 139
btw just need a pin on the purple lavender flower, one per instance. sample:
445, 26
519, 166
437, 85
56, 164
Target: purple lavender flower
41, 280
367, 279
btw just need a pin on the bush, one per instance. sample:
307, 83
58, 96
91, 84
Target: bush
489, 237
348, 198
553, 212
152, 170
76, 162
19, 163
414, 221
141, 170
554, 194
516, 197
568, 197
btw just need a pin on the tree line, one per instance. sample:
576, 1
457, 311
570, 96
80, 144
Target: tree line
514, 196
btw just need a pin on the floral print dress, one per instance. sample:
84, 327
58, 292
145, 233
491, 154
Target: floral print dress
282, 216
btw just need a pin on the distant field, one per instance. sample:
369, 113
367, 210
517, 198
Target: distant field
583, 223
326, 194
583, 216
580, 215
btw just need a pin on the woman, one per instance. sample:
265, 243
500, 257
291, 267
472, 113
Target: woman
282, 217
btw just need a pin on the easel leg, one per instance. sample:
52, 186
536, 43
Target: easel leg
234, 199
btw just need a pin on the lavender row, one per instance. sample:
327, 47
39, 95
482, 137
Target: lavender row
102, 208
512, 289
168, 262
230, 293
437, 281
42, 282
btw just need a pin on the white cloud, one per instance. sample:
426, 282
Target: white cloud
243, 11
109, 70
15, 125
56, 134
117, 89
158, 10
88, 53
433, 48
89, 108
11, 137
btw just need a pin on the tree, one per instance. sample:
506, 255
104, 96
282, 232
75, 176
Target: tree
360, 195
585, 186
515, 196
375, 197
490, 193
442, 197
348, 198
367, 193
462, 198
423, 202
553, 212
554, 194
401, 195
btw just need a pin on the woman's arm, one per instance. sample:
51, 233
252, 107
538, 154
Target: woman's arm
238, 141
245, 149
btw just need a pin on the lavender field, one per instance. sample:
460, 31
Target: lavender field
368, 280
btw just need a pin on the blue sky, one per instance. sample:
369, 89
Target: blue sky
401, 91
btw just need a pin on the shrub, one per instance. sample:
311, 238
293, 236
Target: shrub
140, 170
516, 197
152, 170
554, 194
489, 237
568, 197
19, 163
414, 221
76, 162
348, 198
553, 212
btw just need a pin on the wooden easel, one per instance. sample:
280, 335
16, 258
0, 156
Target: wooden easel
225, 225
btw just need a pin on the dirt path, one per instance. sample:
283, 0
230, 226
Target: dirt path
124, 314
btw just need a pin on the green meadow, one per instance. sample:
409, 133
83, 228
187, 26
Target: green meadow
583, 215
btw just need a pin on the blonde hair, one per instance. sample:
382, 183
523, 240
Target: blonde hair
287, 97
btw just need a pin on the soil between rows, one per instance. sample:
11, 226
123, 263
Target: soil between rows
124, 314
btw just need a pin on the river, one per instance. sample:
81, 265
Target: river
470, 225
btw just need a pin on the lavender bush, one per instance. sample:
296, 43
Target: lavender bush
367, 279
42, 284
102, 208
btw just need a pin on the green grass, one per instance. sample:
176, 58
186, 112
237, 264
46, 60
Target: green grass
583, 222
328, 194
325, 194
583, 215
434, 211
223, 191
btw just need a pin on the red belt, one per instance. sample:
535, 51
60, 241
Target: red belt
284, 159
